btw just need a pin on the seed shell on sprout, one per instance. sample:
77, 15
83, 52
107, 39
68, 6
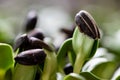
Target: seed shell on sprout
25, 43
87, 24
20, 41
37, 34
37, 43
31, 57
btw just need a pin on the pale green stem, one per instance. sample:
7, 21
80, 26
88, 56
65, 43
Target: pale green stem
2, 74
23, 72
78, 63
50, 67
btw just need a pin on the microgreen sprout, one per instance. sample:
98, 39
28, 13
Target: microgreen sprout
37, 58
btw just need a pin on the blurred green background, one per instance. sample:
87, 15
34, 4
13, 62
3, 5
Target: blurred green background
57, 14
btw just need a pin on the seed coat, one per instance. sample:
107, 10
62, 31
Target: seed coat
31, 57
87, 24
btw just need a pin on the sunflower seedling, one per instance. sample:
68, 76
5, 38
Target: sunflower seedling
85, 39
27, 62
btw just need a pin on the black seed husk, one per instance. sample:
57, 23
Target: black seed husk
31, 57
31, 21
68, 68
21, 42
37, 43
37, 34
87, 24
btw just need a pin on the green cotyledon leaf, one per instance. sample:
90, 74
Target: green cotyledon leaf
105, 70
82, 44
24, 72
116, 75
84, 47
50, 66
89, 76
6, 59
65, 49
81, 76
85, 38
100, 67
74, 76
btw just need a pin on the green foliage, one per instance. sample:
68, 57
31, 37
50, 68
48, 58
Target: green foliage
50, 66
84, 47
23, 72
6, 59
65, 49
81, 76
74, 76
79, 51
89, 76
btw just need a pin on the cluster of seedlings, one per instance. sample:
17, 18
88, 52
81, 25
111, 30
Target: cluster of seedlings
36, 59
33, 51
